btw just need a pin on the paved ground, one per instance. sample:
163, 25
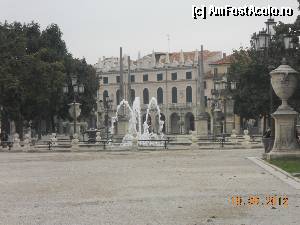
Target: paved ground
137, 188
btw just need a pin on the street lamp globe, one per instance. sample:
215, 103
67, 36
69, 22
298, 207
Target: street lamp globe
74, 80
65, 89
263, 40
233, 85
223, 85
287, 40
270, 23
255, 41
81, 88
75, 88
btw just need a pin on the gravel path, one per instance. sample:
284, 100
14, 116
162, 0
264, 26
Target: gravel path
136, 188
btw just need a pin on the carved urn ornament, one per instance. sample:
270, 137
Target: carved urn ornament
74, 112
284, 83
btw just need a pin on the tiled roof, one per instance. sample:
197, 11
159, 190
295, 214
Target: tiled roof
187, 55
190, 55
225, 60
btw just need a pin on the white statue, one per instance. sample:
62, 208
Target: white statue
246, 137
53, 139
16, 142
27, 142
75, 143
98, 137
233, 136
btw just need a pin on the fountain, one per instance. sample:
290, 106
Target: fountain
135, 133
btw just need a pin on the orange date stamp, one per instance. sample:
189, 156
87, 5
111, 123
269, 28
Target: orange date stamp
255, 200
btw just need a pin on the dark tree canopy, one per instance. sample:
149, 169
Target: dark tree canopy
251, 69
34, 65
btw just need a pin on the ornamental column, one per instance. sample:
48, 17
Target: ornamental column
201, 119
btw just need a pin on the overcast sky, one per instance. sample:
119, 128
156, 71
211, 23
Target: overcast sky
96, 28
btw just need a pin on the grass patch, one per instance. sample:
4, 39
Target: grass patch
289, 165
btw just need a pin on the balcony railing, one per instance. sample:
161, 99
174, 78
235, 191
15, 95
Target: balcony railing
188, 105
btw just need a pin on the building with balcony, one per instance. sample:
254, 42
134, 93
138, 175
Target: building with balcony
169, 77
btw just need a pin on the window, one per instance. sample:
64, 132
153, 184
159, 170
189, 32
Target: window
132, 78
145, 77
205, 101
188, 75
105, 80
118, 79
159, 76
174, 76
227, 69
174, 95
105, 94
160, 96
132, 95
204, 84
146, 96
189, 94
215, 71
118, 97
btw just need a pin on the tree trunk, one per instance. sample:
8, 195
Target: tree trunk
19, 127
265, 124
53, 124
39, 129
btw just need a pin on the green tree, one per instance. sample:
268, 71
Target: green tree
251, 69
34, 65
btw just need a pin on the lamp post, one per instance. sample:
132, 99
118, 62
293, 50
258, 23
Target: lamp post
219, 100
77, 89
107, 105
262, 42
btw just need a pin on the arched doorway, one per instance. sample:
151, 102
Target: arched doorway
189, 122
146, 96
189, 94
175, 123
105, 94
174, 95
132, 96
160, 96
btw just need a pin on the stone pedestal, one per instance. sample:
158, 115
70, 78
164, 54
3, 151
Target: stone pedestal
285, 135
27, 141
134, 143
16, 144
284, 82
122, 127
194, 140
201, 124
237, 124
71, 126
229, 125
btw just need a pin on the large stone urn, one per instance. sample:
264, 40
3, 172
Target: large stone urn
284, 82
74, 112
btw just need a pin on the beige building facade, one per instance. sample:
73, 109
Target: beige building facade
169, 77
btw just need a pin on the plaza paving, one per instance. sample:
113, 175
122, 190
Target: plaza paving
137, 188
